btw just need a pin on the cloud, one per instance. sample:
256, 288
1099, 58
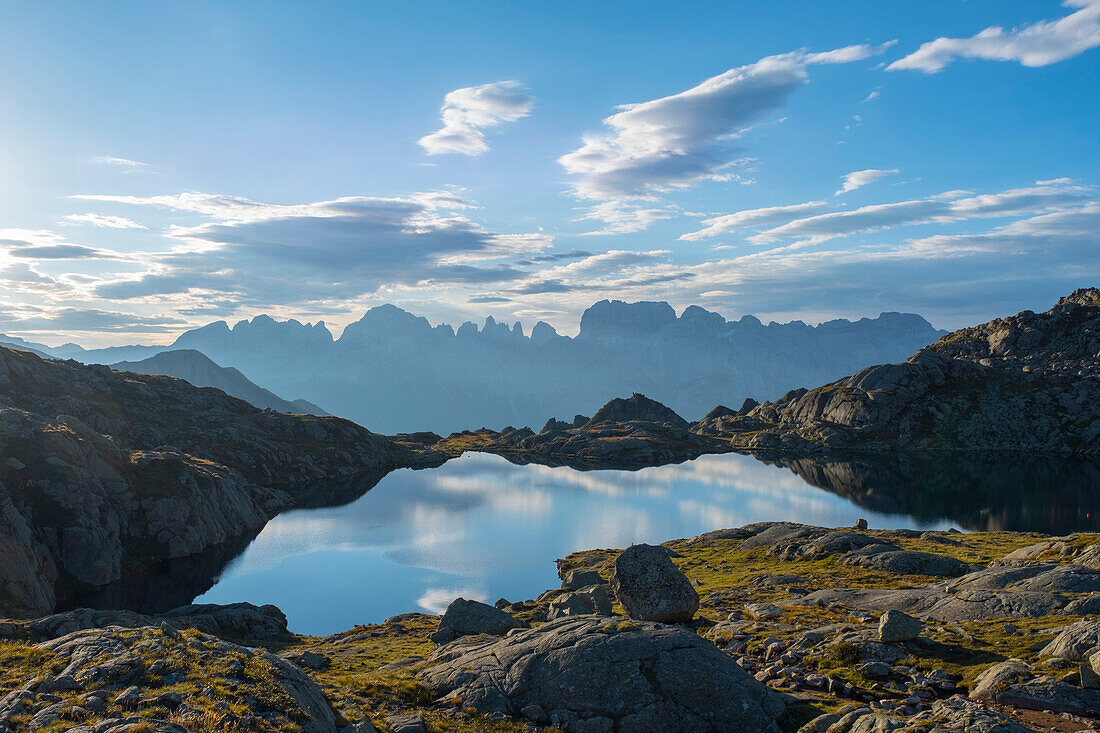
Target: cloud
42, 244
88, 320
1035, 44
951, 207
263, 253
125, 163
467, 111
622, 218
678, 141
98, 220
870, 96
859, 179
719, 225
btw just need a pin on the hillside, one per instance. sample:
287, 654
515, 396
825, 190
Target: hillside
196, 368
104, 473
1029, 382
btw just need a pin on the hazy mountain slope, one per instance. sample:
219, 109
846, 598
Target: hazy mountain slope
1029, 382
196, 368
104, 473
394, 372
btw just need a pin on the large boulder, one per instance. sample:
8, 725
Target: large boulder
651, 588
1075, 643
465, 617
1013, 683
895, 626
590, 674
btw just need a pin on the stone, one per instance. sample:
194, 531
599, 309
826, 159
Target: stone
113, 657
1013, 683
308, 660
465, 617
763, 611
1075, 643
406, 724
895, 626
1090, 680
875, 670
861, 524
580, 578
888, 558
587, 674
651, 588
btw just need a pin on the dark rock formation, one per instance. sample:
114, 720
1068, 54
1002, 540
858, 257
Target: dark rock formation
105, 473
588, 674
1030, 382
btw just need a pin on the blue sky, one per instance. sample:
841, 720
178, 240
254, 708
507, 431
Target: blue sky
166, 165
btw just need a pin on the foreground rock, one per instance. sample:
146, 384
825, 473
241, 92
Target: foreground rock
465, 617
589, 674
650, 586
233, 621
112, 672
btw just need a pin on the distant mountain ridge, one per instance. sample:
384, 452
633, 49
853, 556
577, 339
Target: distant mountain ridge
198, 369
394, 372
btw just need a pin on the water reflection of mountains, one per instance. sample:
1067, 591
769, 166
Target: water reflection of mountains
979, 491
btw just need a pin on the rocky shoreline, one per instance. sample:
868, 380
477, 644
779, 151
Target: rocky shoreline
768, 627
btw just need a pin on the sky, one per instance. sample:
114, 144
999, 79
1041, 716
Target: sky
165, 165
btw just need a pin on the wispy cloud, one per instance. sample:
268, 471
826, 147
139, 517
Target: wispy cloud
468, 111
124, 163
99, 220
859, 179
1035, 44
718, 225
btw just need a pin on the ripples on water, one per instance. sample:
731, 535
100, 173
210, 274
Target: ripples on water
481, 527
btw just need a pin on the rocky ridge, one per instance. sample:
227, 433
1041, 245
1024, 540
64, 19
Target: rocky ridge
104, 473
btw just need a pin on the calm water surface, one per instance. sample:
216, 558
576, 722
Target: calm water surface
481, 527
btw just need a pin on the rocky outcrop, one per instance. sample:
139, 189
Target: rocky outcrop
114, 673
465, 617
651, 588
1030, 382
242, 621
625, 433
104, 473
587, 674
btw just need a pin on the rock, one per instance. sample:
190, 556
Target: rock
114, 658
308, 660
763, 611
1090, 680
959, 715
581, 577
1013, 683
406, 724
465, 617
586, 674
1075, 643
820, 724
651, 588
904, 562
129, 725
363, 726
896, 626
875, 670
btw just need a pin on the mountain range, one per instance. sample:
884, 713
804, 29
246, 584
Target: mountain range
394, 372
